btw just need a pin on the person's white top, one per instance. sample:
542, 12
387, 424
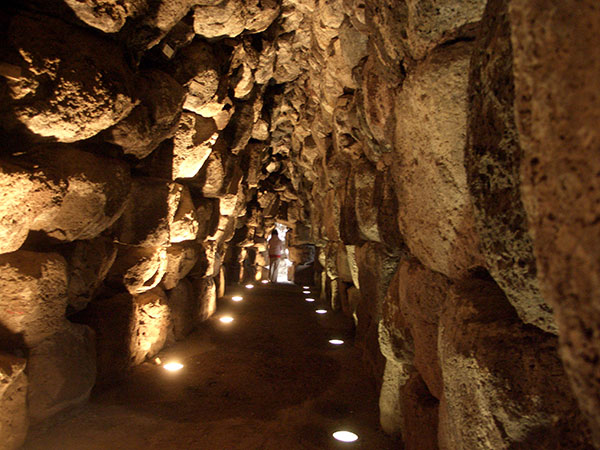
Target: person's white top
276, 246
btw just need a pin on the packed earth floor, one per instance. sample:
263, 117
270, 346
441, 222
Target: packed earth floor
268, 380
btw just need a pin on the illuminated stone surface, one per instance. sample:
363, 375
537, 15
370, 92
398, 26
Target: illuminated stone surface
425, 155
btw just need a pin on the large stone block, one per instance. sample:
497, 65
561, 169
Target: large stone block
435, 213
557, 114
415, 309
95, 191
157, 214
128, 329
433, 22
14, 419
231, 17
74, 83
33, 296
181, 258
194, 140
154, 119
108, 16
197, 69
61, 370
23, 196
183, 308
138, 269
493, 160
207, 212
206, 295
504, 384
89, 263
184, 224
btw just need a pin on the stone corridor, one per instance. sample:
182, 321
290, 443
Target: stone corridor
268, 380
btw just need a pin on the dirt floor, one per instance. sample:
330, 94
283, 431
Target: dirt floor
268, 380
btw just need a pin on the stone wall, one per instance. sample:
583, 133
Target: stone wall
439, 154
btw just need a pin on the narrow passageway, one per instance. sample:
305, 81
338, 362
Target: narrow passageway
267, 380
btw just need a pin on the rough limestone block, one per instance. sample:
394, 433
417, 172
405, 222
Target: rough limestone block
128, 329
415, 307
76, 83
398, 369
435, 213
193, 142
61, 370
557, 117
206, 295
493, 159
208, 261
231, 17
157, 209
95, 191
342, 264
420, 428
33, 296
207, 211
183, 308
433, 22
184, 224
89, 263
154, 119
504, 384
181, 259
138, 269
197, 70
364, 177
108, 16
24, 195
14, 419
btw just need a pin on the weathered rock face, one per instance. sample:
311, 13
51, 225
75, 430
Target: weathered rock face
483, 347
555, 110
154, 119
13, 401
34, 295
435, 213
89, 263
493, 160
417, 146
61, 370
128, 330
72, 84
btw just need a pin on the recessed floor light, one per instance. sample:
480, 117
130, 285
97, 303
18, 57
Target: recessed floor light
249, 286
237, 298
305, 287
345, 436
306, 292
226, 319
173, 366
321, 311
308, 299
264, 281
336, 341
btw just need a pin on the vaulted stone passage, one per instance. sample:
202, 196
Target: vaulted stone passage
436, 162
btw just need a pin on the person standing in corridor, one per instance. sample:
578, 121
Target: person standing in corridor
276, 248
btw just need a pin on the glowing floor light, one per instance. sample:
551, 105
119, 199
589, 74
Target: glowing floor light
345, 436
249, 286
306, 292
308, 299
336, 341
173, 366
264, 281
321, 311
237, 298
305, 287
226, 319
